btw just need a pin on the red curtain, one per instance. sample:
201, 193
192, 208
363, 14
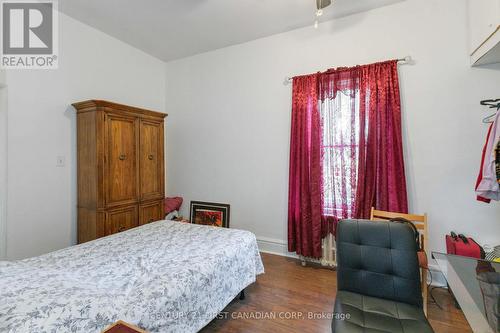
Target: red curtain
381, 171
304, 196
346, 151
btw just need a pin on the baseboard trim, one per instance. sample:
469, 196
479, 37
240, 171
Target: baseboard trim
274, 246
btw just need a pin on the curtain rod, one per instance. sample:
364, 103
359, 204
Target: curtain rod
404, 61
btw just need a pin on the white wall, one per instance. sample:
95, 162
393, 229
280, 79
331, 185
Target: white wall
42, 125
229, 116
3, 165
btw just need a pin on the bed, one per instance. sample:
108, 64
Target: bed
164, 277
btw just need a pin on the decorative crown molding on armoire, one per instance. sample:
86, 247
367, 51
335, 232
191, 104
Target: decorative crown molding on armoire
121, 168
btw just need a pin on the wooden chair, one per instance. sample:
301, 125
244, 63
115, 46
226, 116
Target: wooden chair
420, 222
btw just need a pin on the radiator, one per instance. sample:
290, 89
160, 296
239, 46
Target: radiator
329, 255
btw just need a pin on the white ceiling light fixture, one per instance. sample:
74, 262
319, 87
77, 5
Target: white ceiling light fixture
320, 4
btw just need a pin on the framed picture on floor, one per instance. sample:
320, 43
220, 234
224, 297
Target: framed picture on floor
209, 213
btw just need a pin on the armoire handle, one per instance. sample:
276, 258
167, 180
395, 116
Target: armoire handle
150, 157
122, 157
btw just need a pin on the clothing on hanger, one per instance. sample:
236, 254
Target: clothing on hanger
488, 186
480, 175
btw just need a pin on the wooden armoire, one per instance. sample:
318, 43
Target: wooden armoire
121, 177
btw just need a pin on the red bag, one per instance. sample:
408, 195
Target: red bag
455, 245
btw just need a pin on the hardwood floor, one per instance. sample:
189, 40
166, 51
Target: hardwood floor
284, 298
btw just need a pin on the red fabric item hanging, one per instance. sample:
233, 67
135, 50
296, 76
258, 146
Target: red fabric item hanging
361, 116
304, 197
346, 151
381, 172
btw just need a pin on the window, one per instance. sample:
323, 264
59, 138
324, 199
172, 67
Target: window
340, 152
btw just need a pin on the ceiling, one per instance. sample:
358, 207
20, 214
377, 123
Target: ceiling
172, 29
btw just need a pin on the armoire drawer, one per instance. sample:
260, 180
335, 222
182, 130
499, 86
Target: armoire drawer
151, 212
120, 219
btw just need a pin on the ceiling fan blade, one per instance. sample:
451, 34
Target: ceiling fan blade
320, 4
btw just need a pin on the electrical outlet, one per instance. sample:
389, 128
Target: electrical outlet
60, 161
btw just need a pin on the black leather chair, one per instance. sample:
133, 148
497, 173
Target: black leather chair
378, 280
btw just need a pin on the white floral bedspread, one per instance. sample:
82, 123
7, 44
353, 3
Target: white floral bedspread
164, 277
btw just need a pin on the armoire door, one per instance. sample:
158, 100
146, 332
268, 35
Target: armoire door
151, 160
120, 219
121, 159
